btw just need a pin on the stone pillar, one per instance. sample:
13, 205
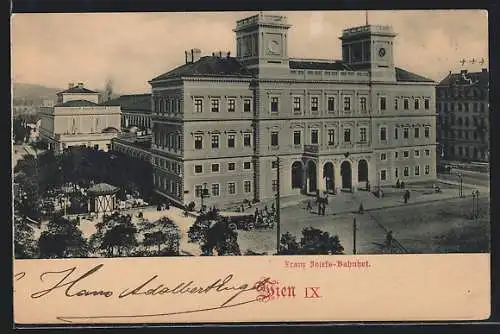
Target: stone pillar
354, 175
338, 176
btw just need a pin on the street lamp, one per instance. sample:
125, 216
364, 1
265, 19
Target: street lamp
475, 203
460, 190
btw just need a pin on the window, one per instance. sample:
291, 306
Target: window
417, 104
362, 135
314, 103
427, 152
396, 104
406, 133
198, 169
215, 141
296, 138
198, 190
396, 172
274, 139
274, 104
275, 185
396, 133
417, 171
362, 103
216, 189
274, 164
247, 103
427, 104
396, 155
427, 131
296, 104
231, 166
406, 154
347, 135
331, 137
417, 132
406, 104
347, 103
247, 140
247, 165
383, 133
331, 103
230, 140
231, 188
417, 153
482, 106
314, 137
215, 104
383, 156
383, 103
215, 168
231, 105
247, 186
198, 142
406, 171
383, 175
427, 169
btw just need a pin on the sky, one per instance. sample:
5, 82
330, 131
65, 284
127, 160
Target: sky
132, 48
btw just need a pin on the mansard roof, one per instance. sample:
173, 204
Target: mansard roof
208, 66
319, 65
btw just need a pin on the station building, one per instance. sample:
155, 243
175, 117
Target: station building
220, 121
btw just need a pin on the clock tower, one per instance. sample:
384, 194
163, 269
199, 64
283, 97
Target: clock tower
262, 44
370, 48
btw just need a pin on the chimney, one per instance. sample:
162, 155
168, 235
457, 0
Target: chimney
484, 70
196, 54
71, 85
228, 54
80, 85
186, 56
463, 72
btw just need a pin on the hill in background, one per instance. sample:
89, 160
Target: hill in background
33, 94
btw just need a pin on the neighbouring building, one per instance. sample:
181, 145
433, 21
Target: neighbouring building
220, 121
77, 119
462, 104
135, 111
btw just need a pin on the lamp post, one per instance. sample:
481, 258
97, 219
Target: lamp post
354, 229
278, 227
460, 190
475, 203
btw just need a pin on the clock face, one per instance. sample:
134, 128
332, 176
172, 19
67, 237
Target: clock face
381, 52
274, 46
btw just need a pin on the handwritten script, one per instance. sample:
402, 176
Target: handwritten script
74, 285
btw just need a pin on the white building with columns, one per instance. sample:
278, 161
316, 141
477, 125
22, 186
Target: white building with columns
220, 121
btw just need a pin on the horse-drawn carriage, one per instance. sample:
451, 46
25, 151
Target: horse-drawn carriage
247, 221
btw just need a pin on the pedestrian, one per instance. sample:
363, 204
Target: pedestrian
405, 196
319, 208
389, 239
324, 208
361, 209
309, 206
272, 207
242, 208
408, 194
398, 184
402, 185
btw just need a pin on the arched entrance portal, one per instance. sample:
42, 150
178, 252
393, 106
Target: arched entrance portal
297, 175
311, 177
362, 171
329, 176
345, 171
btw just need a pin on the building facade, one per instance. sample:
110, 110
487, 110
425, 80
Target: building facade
135, 111
220, 122
462, 103
78, 120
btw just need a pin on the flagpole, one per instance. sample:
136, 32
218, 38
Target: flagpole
366, 17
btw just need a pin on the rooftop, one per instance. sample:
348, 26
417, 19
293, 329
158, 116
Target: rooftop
406, 76
78, 90
208, 66
466, 78
103, 189
131, 102
77, 103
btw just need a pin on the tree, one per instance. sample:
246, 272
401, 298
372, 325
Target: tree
313, 242
116, 235
213, 233
20, 130
62, 239
24, 242
316, 242
162, 234
289, 244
